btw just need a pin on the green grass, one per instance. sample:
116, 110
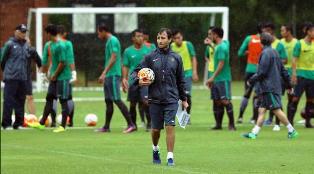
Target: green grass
197, 149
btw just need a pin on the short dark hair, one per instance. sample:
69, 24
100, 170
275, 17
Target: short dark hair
259, 27
167, 30
103, 27
266, 39
136, 31
219, 31
51, 29
288, 27
61, 29
308, 26
269, 25
176, 31
211, 28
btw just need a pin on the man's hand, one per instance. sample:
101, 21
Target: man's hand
74, 77
207, 41
294, 80
185, 104
210, 82
195, 77
144, 82
101, 78
125, 85
53, 78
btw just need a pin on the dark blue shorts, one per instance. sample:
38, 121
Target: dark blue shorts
112, 88
137, 93
64, 89
306, 85
221, 90
163, 114
188, 85
29, 87
270, 101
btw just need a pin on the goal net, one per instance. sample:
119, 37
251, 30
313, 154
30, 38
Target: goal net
82, 23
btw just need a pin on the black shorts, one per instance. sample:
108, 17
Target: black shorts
112, 88
163, 114
52, 91
306, 85
221, 90
137, 93
64, 89
188, 85
29, 87
270, 101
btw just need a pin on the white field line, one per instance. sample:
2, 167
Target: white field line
80, 155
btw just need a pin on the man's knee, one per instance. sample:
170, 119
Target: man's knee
29, 98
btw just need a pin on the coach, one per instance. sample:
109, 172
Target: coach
14, 65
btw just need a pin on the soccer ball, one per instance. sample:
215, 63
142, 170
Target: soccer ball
48, 121
146, 74
59, 119
29, 118
91, 120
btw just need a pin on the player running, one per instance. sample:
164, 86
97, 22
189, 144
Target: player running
268, 81
132, 56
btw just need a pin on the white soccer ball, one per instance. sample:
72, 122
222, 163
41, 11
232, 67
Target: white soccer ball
91, 119
59, 119
146, 74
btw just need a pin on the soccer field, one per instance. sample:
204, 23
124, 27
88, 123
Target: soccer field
197, 149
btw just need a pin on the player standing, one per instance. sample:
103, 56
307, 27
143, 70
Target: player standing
111, 78
132, 56
220, 81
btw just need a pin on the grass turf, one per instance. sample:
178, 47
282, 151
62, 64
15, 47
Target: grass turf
197, 149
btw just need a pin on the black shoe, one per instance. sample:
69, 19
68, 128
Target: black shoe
309, 125
232, 128
217, 128
240, 120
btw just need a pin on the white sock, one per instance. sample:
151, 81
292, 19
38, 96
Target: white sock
290, 128
155, 148
170, 155
256, 129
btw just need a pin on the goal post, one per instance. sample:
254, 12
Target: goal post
39, 12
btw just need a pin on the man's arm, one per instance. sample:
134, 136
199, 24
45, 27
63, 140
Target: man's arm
244, 47
180, 80
5, 55
133, 76
262, 70
282, 53
296, 55
194, 60
35, 56
62, 61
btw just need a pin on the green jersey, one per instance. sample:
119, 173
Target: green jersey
69, 51
113, 47
304, 52
187, 52
55, 53
280, 48
289, 49
133, 56
150, 46
222, 54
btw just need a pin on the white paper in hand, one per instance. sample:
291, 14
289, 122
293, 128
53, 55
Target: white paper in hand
182, 116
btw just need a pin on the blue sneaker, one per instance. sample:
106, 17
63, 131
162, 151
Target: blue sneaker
250, 136
170, 162
156, 157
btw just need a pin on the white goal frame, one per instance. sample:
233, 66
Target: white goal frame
39, 12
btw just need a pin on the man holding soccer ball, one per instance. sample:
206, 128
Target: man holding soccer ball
164, 91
